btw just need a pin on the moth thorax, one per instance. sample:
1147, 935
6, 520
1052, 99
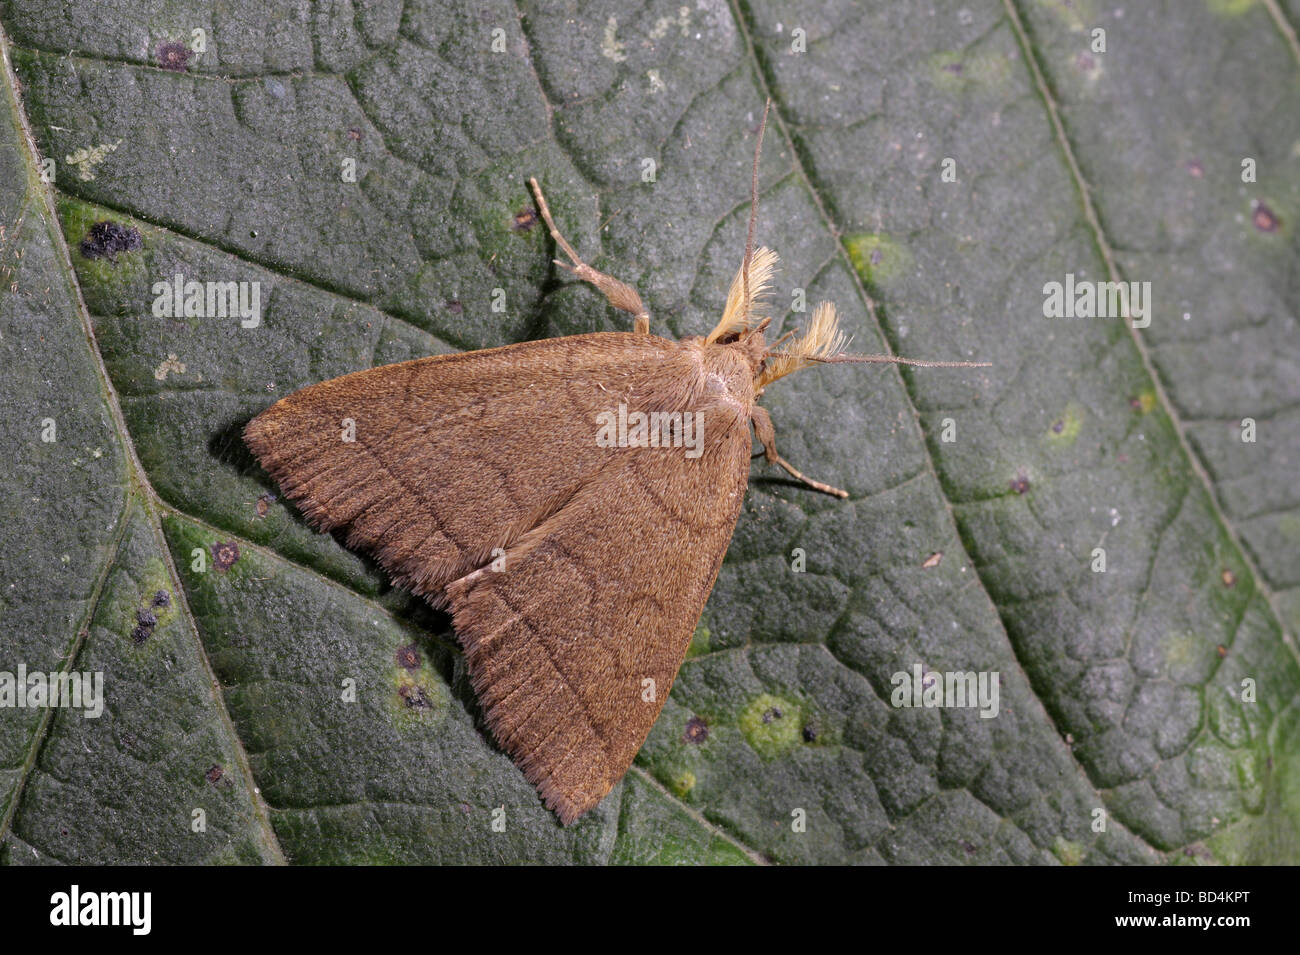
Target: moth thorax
726, 376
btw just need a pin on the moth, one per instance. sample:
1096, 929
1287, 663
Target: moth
575, 568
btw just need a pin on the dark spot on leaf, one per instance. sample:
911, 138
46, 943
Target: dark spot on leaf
969, 847
174, 55
1020, 485
455, 307
162, 599
1058, 426
354, 134
415, 697
1265, 219
225, 554
145, 621
876, 256
810, 733
772, 713
214, 774
408, 657
1229, 578
264, 503
953, 68
466, 808
104, 240
525, 219
128, 740
697, 731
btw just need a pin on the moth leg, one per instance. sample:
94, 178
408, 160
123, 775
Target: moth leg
621, 295
766, 435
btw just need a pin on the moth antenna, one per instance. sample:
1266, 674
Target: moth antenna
756, 269
735, 317
822, 337
894, 360
822, 341
772, 352
753, 205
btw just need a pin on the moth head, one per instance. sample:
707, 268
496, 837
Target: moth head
743, 326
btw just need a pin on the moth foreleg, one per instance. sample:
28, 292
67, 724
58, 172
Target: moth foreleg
766, 435
621, 295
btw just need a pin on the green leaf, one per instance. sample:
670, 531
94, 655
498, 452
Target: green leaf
978, 498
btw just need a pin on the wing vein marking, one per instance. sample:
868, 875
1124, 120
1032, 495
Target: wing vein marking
550, 658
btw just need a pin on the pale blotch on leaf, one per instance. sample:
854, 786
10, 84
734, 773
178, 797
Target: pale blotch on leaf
877, 258
683, 783
1064, 430
171, 364
611, 47
1184, 655
700, 642
1073, 14
154, 605
1231, 8
773, 725
419, 696
86, 159
1144, 402
953, 72
1069, 852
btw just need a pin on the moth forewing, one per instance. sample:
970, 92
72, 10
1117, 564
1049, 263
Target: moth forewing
609, 553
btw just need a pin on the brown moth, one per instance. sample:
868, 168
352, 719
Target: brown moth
573, 638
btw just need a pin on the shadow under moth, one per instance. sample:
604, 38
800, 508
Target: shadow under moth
569, 500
